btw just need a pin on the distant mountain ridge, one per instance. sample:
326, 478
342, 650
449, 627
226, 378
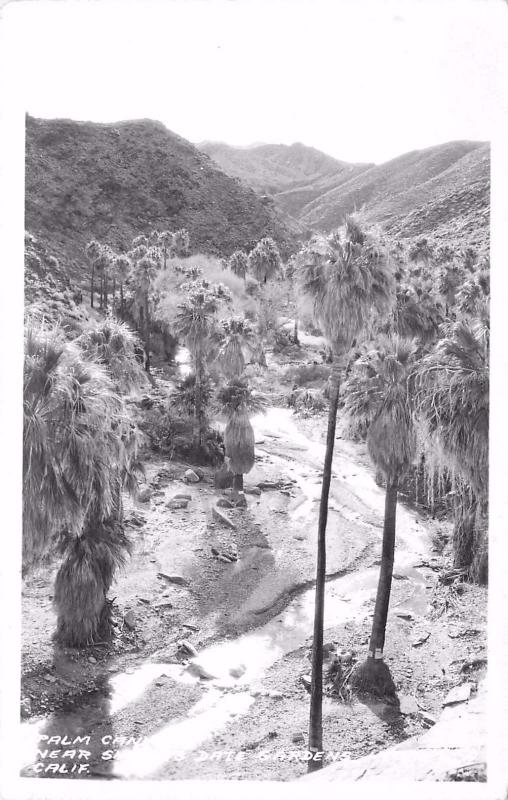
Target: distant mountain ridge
442, 191
88, 180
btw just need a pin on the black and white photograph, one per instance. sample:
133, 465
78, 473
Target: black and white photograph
249, 338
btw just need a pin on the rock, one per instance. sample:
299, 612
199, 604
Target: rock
197, 669
263, 485
173, 579
175, 505
50, 678
223, 502
459, 694
276, 695
239, 500
253, 490
237, 672
163, 604
190, 627
190, 476
135, 520
405, 615
306, 680
144, 494
427, 719
130, 620
182, 497
421, 639
186, 647
298, 738
92, 660
217, 515
407, 704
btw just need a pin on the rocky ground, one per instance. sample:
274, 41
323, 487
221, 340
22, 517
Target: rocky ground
213, 620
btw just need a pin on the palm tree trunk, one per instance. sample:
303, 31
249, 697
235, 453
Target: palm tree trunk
238, 482
295, 332
121, 300
198, 411
114, 292
92, 286
377, 637
101, 294
147, 334
105, 291
316, 688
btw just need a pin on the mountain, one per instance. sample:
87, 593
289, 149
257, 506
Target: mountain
113, 181
441, 191
293, 174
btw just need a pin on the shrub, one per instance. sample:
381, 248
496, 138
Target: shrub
171, 434
307, 373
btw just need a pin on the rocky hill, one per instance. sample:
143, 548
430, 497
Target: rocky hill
441, 191
112, 181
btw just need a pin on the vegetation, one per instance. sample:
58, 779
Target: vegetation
378, 398
348, 279
237, 402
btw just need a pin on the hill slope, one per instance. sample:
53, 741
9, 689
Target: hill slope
442, 190
113, 181
293, 174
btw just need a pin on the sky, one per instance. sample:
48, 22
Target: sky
360, 80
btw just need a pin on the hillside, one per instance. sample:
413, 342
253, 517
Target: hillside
442, 191
292, 174
113, 181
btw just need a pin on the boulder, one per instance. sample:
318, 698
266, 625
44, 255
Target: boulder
130, 620
175, 504
407, 705
182, 497
298, 738
255, 490
459, 694
144, 494
239, 500
223, 502
186, 647
238, 671
190, 476
306, 680
172, 578
220, 517
197, 669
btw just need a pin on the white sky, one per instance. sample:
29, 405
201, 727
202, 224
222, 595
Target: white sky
361, 80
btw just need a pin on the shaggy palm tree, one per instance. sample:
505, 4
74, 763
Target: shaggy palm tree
180, 244
237, 402
349, 281
238, 337
418, 309
421, 252
196, 323
238, 263
144, 273
453, 403
113, 345
450, 279
378, 401
103, 264
78, 450
165, 241
93, 251
264, 260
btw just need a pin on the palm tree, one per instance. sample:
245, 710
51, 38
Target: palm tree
123, 267
349, 281
237, 402
144, 273
453, 404
103, 264
378, 401
290, 272
196, 323
79, 448
450, 279
264, 261
238, 263
238, 337
93, 251
180, 244
113, 345
421, 251
165, 242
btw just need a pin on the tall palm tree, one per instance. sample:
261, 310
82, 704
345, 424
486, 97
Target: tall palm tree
196, 324
237, 402
238, 338
264, 260
165, 242
378, 400
180, 244
123, 266
349, 281
93, 251
144, 273
78, 450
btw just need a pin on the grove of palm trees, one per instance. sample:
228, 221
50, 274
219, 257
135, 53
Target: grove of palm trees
257, 479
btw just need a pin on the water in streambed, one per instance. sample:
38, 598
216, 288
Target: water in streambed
234, 668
